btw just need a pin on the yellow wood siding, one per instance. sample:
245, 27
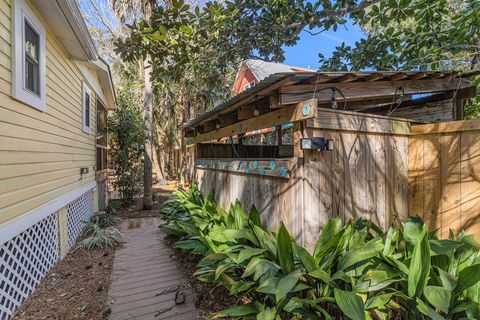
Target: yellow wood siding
41, 153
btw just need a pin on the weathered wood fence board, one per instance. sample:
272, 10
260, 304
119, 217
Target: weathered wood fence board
444, 175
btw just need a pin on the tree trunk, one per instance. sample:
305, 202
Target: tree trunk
148, 147
161, 156
155, 158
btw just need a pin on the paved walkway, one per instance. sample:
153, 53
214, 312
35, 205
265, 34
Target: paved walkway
146, 282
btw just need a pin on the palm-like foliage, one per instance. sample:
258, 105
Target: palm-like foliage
356, 271
101, 238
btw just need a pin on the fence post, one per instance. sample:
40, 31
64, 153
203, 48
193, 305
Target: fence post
96, 199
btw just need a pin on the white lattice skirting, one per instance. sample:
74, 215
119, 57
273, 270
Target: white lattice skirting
27, 257
78, 212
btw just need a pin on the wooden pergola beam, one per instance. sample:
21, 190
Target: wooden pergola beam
301, 111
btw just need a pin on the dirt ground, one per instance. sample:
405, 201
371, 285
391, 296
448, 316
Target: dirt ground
76, 288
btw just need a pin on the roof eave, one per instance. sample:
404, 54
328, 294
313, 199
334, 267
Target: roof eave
67, 24
302, 76
106, 81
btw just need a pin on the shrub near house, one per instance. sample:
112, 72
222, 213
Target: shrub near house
357, 271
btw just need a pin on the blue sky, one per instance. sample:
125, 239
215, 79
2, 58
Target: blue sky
305, 52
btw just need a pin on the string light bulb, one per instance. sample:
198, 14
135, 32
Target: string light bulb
334, 99
256, 112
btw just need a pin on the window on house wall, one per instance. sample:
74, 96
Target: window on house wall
29, 57
249, 85
86, 109
101, 137
32, 65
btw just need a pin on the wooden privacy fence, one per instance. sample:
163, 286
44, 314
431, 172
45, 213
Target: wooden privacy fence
364, 176
444, 175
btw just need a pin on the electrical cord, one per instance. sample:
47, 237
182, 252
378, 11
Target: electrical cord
213, 150
235, 153
394, 101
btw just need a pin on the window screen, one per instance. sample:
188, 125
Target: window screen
87, 109
32, 66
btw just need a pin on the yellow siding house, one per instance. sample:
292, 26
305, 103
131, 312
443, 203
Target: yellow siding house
54, 95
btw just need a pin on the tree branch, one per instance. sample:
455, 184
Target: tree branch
334, 13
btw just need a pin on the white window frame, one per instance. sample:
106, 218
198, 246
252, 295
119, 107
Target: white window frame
249, 85
22, 13
86, 91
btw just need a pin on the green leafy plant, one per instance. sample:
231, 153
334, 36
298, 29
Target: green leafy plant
127, 136
100, 238
356, 271
106, 219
